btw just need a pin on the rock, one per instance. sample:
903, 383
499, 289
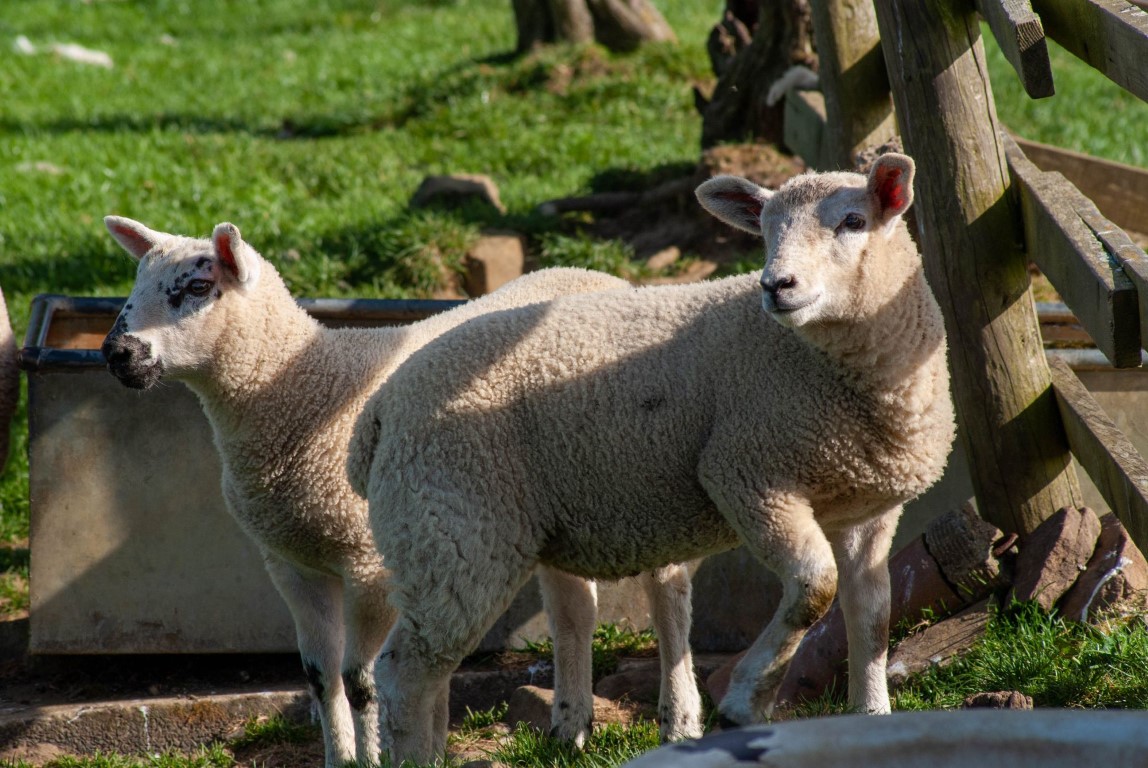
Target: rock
639, 684
457, 189
1116, 571
531, 705
664, 258
1054, 555
998, 700
916, 583
938, 644
496, 259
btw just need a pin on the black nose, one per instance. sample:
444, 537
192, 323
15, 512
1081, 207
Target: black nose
776, 285
118, 350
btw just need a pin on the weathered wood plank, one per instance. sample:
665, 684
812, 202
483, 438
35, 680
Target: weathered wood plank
851, 68
1118, 470
1075, 261
1120, 191
804, 125
1111, 35
970, 237
1132, 260
1019, 34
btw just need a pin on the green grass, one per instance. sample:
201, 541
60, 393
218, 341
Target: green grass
609, 645
309, 124
1088, 113
1058, 663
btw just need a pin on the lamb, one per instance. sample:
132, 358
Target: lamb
281, 394
9, 380
635, 429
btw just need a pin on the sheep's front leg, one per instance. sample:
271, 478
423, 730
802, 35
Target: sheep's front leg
781, 531
572, 609
863, 588
368, 619
679, 703
315, 602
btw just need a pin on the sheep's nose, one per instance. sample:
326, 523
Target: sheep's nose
774, 285
118, 350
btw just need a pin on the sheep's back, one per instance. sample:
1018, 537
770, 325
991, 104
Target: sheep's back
586, 421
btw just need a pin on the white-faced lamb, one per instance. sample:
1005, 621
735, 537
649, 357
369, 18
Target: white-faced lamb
282, 393
607, 434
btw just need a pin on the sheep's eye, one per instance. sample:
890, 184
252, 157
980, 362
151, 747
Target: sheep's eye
852, 222
199, 287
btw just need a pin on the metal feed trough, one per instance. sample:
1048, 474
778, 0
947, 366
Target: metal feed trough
133, 551
132, 547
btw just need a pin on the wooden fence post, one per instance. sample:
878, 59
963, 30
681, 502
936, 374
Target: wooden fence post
971, 233
858, 109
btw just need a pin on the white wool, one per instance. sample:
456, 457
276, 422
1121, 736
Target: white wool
611, 433
282, 393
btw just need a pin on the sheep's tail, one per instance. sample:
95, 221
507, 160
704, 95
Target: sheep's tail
361, 451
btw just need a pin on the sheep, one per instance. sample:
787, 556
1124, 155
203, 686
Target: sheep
634, 429
281, 394
9, 380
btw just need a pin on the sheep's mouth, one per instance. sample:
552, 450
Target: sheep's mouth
784, 306
138, 376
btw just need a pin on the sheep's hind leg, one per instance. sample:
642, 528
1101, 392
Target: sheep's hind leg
315, 600
679, 703
779, 530
368, 619
572, 609
444, 624
863, 588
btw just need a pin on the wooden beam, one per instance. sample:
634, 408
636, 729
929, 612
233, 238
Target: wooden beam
851, 69
1119, 190
1075, 261
1110, 35
1132, 260
1113, 463
1019, 34
970, 239
804, 126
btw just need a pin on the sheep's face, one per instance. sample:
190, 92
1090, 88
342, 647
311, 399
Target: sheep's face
820, 231
172, 321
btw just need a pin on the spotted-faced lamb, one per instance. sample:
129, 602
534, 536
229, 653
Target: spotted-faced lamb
281, 393
793, 413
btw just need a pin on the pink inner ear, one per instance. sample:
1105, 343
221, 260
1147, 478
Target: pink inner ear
226, 255
139, 244
750, 205
890, 190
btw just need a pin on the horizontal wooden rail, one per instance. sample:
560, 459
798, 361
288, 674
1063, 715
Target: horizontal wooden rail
1118, 470
1110, 35
1019, 34
1119, 190
1088, 278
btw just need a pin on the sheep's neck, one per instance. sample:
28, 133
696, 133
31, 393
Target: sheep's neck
281, 373
898, 353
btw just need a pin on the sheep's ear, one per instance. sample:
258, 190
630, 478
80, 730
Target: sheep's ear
236, 256
135, 238
891, 184
734, 200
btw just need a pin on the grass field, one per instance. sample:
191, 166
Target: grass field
309, 124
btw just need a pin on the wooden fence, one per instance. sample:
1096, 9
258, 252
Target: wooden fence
984, 210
